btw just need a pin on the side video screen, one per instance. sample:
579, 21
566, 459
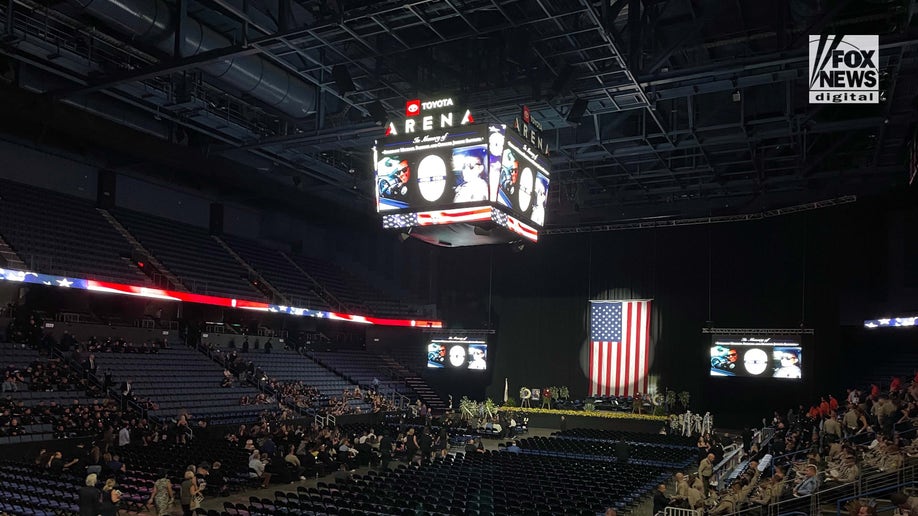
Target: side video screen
757, 357
452, 354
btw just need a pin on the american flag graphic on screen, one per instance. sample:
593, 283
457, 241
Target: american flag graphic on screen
619, 347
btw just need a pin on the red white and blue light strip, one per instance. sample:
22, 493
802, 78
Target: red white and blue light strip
188, 297
892, 322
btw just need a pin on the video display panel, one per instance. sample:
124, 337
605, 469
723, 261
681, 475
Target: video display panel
474, 165
757, 357
457, 354
432, 170
522, 177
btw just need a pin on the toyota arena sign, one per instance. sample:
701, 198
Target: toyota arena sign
429, 115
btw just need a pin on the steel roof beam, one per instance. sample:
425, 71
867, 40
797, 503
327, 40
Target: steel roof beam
157, 70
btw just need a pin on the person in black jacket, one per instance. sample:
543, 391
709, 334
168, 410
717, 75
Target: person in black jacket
385, 450
425, 443
660, 500
90, 497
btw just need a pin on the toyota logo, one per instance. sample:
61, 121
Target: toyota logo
412, 107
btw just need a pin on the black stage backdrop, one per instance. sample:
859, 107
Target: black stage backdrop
780, 272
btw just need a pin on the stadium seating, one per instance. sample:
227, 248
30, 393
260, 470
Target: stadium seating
362, 367
190, 253
285, 365
16, 354
181, 379
903, 364
640, 453
298, 289
411, 367
24, 490
482, 483
58, 234
28, 490
631, 437
358, 295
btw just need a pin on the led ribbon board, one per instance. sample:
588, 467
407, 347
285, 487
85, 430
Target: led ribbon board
49, 280
892, 322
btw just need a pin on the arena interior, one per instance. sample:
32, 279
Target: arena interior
458, 257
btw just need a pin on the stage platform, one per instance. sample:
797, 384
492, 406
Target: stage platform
601, 419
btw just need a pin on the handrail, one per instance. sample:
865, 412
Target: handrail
723, 468
839, 503
867, 484
324, 420
258, 383
78, 368
787, 457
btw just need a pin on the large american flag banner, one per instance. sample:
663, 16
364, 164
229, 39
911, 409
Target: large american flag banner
619, 347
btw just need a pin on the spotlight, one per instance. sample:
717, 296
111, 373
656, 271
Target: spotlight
378, 112
576, 112
343, 79
562, 81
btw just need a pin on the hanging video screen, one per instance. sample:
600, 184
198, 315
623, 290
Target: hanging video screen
757, 357
473, 165
457, 354
519, 177
432, 170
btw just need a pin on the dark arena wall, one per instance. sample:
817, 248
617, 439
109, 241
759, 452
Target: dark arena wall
821, 270
826, 270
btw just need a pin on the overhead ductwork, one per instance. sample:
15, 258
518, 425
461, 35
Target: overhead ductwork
153, 22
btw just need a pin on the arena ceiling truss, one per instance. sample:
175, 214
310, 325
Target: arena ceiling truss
691, 108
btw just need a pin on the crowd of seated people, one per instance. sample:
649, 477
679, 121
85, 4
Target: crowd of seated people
84, 354
299, 395
295, 393
13, 380
829, 444
259, 399
288, 452
119, 345
236, 366
24, 327
65, 419
51, 376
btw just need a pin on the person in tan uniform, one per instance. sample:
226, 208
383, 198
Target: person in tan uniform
706, 471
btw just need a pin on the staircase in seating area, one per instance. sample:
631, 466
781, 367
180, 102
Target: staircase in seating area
321, 291
416, 383
174, 283
9, 258
263, 284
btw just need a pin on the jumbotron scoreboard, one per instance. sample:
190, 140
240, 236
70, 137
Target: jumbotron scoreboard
444, 179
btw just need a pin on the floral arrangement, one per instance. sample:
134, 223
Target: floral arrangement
490, 408
468, 409
602, 413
